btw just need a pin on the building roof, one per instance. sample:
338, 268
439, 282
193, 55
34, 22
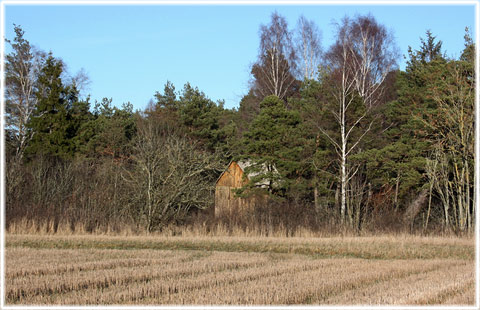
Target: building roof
243, 164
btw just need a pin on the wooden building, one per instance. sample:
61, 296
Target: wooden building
225, 201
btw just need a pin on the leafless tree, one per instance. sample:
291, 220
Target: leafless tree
171, 176
373, 56
357, 65
450, 169
275, 70
308, 45
81, 81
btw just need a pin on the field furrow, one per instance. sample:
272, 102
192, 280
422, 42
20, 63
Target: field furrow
236, 271
464, 298
89, 266
397, 290
22, 288
450, 284
25, 263
157, 290
303, 287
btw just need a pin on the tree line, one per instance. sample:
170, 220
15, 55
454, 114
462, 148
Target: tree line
341, 135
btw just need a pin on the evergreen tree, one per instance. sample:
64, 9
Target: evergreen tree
200, 116
50, 123
58, 115
396, 165
167, 100
109, 132
248, 109
319, 157
272, 146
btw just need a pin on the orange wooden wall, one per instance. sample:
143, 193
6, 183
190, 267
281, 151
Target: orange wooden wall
225, 200
233, 177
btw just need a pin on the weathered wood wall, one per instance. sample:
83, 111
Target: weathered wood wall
232, 177
226, 203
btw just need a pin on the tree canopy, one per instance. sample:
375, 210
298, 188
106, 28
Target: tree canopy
335, 136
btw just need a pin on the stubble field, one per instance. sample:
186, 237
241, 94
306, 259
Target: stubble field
80, 270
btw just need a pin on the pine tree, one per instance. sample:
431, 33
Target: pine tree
397, 163
200, 116
273, 145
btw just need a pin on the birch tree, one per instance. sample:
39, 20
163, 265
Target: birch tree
275, 70
355, 68
22, 69
373, 55
308, 45
453, 130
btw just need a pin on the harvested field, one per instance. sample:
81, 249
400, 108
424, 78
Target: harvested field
80, 270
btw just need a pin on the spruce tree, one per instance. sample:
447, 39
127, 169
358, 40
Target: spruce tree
53, 124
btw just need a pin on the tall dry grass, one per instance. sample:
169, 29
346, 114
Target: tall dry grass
208, 227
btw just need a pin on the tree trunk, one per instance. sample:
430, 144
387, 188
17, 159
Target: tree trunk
467, 198
396, 192
343, 164
337, 197
429, 205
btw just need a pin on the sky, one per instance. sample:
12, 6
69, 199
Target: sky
130, 51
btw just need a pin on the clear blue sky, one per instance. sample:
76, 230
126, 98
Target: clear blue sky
129, 52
